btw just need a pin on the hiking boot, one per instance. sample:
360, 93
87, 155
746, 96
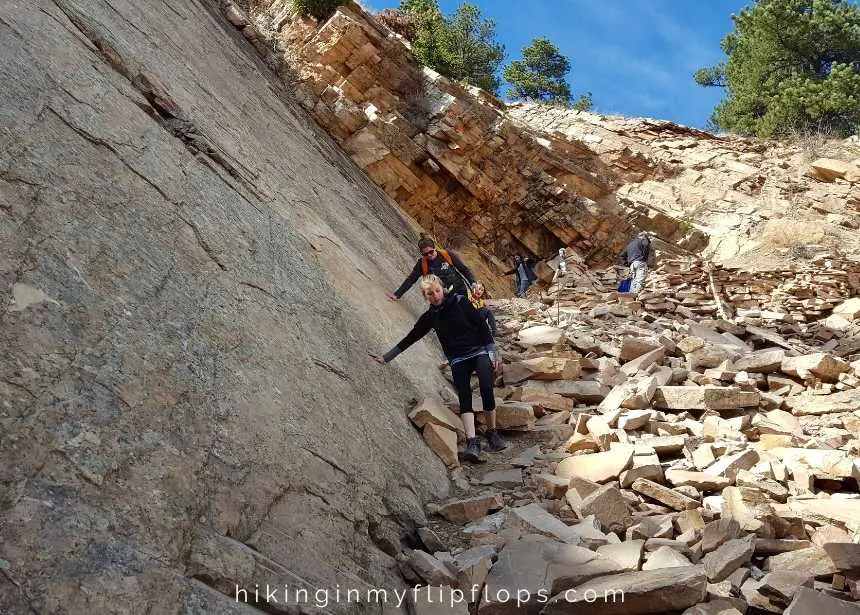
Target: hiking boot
472, 453
495, 442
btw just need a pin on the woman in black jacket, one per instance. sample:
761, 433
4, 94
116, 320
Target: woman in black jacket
468, 345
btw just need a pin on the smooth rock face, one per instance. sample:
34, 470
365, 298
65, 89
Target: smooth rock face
599, 467
197, 243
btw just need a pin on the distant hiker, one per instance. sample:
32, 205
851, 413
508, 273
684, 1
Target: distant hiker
525, 275
635, 256
561, 266
477, 300
453, 273
468, 345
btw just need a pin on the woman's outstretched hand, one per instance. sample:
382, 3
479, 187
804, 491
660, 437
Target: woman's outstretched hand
391, 296
377, 358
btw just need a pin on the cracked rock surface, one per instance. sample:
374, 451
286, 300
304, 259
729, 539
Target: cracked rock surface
187, 292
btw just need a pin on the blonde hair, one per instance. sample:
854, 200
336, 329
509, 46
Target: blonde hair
429, 280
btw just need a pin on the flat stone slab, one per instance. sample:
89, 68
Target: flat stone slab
646, 591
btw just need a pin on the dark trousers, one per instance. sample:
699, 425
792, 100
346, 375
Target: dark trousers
462, 374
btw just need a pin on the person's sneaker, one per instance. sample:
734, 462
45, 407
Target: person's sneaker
495, 442
473, 451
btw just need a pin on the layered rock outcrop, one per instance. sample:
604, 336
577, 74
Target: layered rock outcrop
449, 154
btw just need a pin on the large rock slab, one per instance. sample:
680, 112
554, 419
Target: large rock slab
541, 335
761, 362
541, 567
541, 368
823, 365
645, 592
534, 519
810, 602
728, 557
806, 405
813, 561
703, 481
704, 398
597, 467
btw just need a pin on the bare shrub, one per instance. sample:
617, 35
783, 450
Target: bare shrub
786, 233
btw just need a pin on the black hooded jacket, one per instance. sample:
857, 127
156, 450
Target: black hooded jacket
459, 326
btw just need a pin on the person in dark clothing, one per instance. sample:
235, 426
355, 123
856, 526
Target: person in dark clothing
444, 264
635, 256
525, 275
469, 347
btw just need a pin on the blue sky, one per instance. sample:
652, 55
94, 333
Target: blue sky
636, 57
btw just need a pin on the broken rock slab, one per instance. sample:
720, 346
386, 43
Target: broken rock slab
649, 591
536, 565
541, 335
664, 495
810, 602
597, 467
541, 368
443, 442
665, 557
813, 561
534, 519
704, 398
807, 405
822, 365
470, 509
431, 410
728, 557
432, 600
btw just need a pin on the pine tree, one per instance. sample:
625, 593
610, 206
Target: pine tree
792, 66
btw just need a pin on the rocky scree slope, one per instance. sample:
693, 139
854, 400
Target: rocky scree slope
191, 275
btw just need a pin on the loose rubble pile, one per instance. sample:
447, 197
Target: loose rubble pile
691, 462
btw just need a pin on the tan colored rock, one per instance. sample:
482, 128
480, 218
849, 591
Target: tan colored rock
702, 481
689, 520
634, 419
849, 309
665, 557
552, 486
649, 591
703, 456
643, 362
822, 365
430, 569
627, 554
534, 566
704, 398
762, 361
807, 405
431, 410
634, 347
541, 335
514, 415
728, 557
813, 561
664, 495
597, 467
845, 556
541, 368
730, 465
829, 169
609, 507
809, 602
469, 509
443, 442
533, 519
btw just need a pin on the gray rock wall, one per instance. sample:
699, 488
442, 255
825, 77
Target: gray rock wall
190, 276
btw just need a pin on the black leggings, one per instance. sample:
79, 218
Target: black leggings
462, 373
